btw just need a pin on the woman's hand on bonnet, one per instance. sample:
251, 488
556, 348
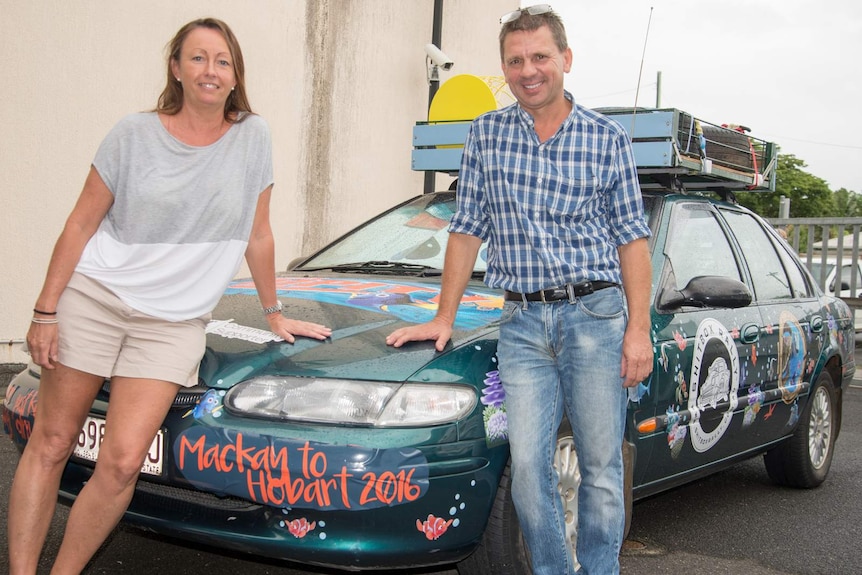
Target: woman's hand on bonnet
289, 328
42, 344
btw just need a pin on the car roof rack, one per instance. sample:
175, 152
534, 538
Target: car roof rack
674, 151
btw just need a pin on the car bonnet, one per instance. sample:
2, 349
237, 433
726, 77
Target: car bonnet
361, 311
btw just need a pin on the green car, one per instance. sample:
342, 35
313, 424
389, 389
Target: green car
351, 454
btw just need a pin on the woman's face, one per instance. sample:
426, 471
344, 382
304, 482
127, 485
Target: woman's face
205, 69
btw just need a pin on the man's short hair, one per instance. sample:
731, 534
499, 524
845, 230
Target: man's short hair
529, 23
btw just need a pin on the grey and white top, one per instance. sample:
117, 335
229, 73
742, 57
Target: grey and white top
178, 229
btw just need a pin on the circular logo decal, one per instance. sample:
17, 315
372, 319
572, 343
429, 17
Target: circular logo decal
714, 384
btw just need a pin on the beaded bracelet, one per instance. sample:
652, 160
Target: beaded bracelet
45, 321
40, 312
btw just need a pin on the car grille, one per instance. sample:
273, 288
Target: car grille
176, 496
187, 396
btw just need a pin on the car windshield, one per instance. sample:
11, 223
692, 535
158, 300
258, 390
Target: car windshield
410, 237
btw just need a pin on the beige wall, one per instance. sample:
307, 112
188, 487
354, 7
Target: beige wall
341, 83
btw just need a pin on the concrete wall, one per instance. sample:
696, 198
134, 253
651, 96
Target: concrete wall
341, 83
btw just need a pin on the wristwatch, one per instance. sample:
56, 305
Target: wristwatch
274, 309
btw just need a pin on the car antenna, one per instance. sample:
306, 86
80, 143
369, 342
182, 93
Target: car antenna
640, 72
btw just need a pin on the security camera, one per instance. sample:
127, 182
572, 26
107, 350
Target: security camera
438, 57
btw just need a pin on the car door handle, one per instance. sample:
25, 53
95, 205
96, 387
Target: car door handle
749, 333
816, 323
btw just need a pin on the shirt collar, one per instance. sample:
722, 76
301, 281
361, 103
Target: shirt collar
528, 121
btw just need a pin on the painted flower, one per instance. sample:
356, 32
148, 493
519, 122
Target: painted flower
675, 439
492, 393
680, 340
433, 527
299, 528
496, 423
755, 395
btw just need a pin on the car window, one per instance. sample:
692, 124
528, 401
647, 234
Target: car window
413, 233
698, 246
800, 283
767, 272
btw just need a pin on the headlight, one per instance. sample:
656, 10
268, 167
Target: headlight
348, 402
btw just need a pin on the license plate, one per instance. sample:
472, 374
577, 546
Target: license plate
92, 433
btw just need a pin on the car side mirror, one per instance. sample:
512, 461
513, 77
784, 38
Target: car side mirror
706, 291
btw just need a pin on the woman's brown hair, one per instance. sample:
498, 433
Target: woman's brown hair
171, 98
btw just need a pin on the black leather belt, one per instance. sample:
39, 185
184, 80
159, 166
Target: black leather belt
566, 292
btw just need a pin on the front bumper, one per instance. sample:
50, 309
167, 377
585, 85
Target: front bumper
320, 501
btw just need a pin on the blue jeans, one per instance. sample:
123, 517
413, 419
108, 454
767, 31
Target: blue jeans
556, 356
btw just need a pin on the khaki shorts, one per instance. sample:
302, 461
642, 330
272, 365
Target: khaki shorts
100, 334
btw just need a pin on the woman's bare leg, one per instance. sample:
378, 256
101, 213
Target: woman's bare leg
65, 397
136, 411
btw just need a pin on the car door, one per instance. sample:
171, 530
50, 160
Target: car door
701, 352
782, 361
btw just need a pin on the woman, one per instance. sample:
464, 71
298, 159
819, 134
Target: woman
174, 199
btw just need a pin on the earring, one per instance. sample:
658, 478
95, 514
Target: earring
178, 79
233, 88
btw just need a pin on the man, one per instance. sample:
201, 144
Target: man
553, 188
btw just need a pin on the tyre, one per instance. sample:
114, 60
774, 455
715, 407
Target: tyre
804, 460
502, 550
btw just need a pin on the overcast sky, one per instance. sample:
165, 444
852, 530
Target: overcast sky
788, 69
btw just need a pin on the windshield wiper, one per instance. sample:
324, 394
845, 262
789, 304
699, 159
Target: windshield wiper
384, 267
387, 267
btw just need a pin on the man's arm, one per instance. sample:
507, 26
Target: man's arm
461, 252
637, 282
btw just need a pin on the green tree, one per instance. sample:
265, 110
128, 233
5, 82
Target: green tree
847, 204
810, 196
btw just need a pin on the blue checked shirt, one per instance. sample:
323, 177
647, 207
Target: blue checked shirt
552, 212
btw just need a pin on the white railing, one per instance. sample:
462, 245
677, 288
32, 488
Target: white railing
839, 250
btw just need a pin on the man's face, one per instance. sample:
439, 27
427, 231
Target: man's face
534, 68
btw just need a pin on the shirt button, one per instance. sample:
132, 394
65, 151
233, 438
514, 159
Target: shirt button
539, 180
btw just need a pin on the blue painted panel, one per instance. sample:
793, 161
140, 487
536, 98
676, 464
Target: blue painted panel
440, 134
439, 159
653, 154
647, 124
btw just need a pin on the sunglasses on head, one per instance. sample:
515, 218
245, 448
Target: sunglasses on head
531, 10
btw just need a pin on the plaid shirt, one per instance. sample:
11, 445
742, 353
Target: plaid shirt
552, 212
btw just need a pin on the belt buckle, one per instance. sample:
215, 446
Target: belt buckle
542, 296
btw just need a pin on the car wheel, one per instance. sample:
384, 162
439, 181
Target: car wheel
566, 464
804, 460
502, 550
